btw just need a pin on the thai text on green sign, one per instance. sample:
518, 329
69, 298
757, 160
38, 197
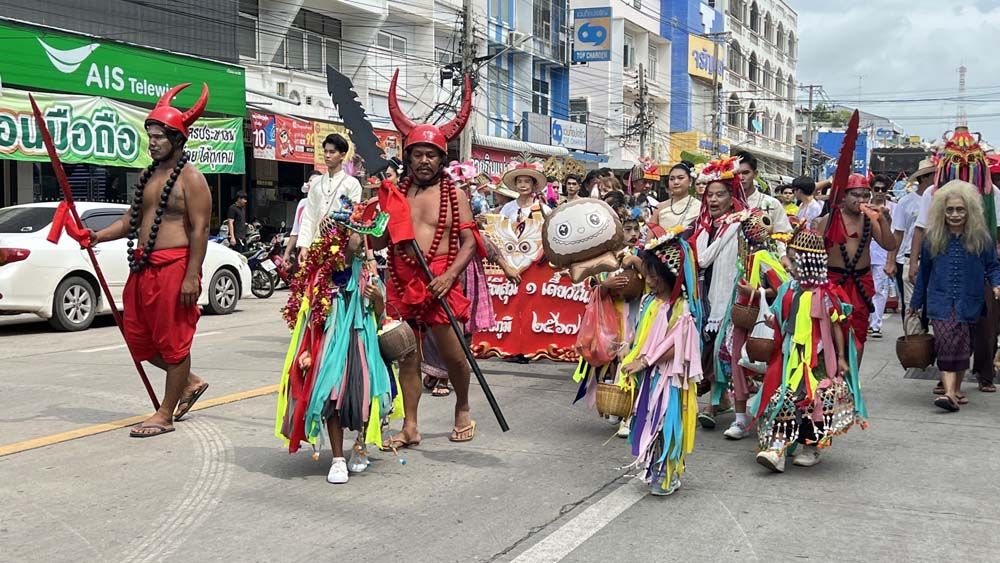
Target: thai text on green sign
36, 57
100, 131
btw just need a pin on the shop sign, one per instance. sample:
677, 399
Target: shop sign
569, 134
263, 135
293, 140
492, 161
592, 34
320, 130
51, 60
390, 142
701, 57
95, 130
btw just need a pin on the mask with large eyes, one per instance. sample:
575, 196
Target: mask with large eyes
521, 248
582, 231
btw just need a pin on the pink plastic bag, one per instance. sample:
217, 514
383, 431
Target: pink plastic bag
597, 340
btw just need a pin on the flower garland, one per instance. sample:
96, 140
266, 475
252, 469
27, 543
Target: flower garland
315, 279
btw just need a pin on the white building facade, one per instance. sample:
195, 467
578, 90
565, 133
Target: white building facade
760, 87
606, 95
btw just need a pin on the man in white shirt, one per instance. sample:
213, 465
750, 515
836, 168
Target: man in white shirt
759, 200
904, 223
810, 208
325, 193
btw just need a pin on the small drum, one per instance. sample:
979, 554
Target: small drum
634, 289
397, 340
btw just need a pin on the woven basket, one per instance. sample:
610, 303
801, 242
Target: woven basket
745, 316
613, 401
760, 349
915, 350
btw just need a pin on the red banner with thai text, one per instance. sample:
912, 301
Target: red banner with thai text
539, 318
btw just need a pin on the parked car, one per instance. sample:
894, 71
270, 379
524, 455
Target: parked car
57, 281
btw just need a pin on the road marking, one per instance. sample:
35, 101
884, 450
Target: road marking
579, 529
52, 439
119, 346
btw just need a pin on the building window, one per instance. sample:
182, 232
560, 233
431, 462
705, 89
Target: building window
779, 128
249, 7
766, 76
792, 45
779, 85
628, 55
754, 18
752, 124
499, 85
790, 87
637, 4
780, 38
389, 54
736, 10
733, 111
579, 109
768, 27
542, 23
246, 39
499, 9
789, 131
735, 59
540, 96
752, 70
653, 63
311, 43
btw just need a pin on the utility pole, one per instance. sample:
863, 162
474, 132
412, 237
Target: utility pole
807, 165
643, 119
468, 66
716, 98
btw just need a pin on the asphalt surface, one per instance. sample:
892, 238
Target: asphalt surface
918, 485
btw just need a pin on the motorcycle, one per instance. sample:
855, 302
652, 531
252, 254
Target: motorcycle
261, 282
283, 271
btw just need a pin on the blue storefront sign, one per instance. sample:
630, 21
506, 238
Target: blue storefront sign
591, 35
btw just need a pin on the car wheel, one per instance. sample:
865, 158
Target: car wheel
74, 305
223, 293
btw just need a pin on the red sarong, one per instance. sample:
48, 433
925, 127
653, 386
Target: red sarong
415, 303
155, 322
858, 300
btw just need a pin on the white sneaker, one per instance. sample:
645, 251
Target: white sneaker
773, 460
737, 431
338, 472
808, 458
876, 333
359, 459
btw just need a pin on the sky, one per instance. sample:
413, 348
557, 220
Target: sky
907, 54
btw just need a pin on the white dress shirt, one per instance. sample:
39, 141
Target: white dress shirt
324, 199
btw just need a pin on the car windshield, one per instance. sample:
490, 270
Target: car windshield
25, 219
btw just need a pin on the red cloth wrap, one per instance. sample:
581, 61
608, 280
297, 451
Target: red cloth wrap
860, 312
480, 243
417, 304
393, 202
155, 322
63, 219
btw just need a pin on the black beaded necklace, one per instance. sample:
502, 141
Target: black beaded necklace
134, 223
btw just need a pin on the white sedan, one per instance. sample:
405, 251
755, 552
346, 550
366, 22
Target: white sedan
57, 281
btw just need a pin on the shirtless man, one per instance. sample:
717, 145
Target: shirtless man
170, 214
850, 264
442, 223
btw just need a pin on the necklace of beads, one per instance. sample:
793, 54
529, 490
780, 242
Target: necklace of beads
448, 204
135, 265
686, 207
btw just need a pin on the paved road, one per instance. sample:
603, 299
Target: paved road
918, 485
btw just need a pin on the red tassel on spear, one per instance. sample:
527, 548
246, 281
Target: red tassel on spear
67, 217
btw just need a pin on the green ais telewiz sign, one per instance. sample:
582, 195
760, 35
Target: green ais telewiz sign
36, 57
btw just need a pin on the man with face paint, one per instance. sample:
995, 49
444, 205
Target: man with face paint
170, 214
444, 229
850, 265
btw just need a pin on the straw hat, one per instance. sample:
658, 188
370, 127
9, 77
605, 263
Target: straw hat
523, 169
925, 167
506, 192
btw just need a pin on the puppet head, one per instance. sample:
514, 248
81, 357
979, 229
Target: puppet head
963, 159
583, 236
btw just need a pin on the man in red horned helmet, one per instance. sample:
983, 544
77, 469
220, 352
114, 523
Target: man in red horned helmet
170, 213
438, 217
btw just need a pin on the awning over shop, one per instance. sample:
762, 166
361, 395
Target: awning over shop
516, 146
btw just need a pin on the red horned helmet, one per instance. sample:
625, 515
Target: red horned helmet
168, 116
426, 134
857, 181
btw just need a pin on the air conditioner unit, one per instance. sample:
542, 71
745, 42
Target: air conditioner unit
282, 89
515, 38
